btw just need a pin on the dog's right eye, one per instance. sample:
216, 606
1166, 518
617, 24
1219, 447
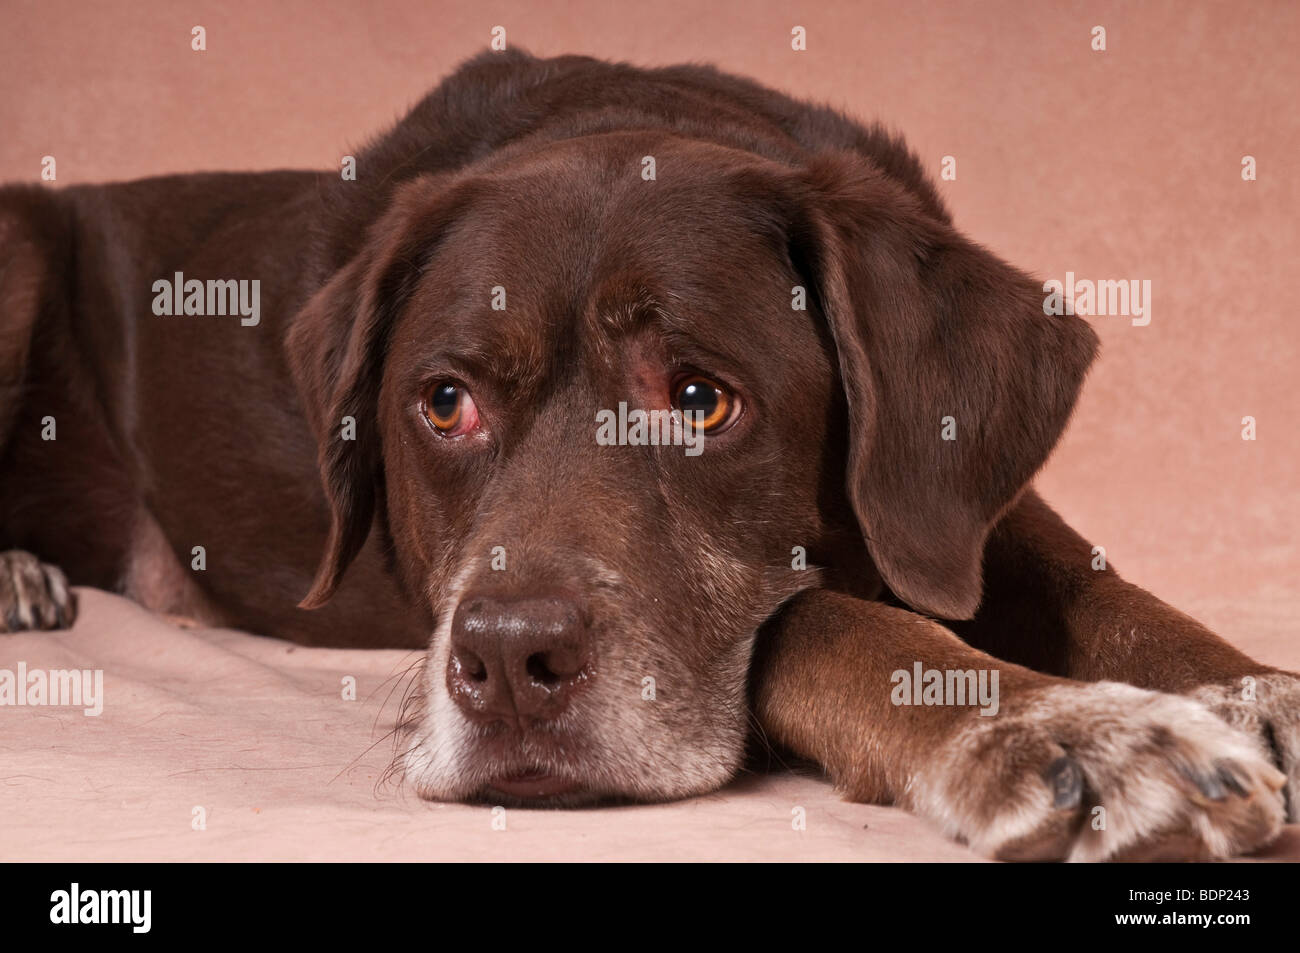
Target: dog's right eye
450, 409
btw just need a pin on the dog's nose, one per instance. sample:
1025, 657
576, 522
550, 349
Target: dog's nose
517, 660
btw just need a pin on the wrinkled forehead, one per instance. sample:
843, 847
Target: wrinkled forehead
566, 256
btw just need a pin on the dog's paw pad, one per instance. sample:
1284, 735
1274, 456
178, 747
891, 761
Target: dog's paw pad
33, 594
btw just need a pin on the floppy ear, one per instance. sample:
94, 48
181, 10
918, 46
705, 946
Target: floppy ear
336, 348
36, 242
957, 383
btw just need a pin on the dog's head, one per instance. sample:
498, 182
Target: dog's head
860, 391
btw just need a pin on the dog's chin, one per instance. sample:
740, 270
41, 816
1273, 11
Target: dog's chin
483, 777
577, 794
573, 795
572, 788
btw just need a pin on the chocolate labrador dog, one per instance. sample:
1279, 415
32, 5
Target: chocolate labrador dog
658, 406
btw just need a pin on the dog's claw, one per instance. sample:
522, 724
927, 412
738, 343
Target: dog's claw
1065, 778
1212, 785
1229, 775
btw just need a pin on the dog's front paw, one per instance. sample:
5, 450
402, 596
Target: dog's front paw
1102, 771
1268, 707
33, 594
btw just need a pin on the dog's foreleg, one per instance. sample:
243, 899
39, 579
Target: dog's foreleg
1038, 768
1052, 603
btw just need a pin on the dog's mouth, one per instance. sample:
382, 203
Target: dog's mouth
534, 785
537, 775
532, 770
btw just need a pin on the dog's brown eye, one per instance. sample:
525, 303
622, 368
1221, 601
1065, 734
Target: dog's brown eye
709, 403
450, 409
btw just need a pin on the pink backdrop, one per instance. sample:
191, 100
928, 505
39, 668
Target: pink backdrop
1117, 164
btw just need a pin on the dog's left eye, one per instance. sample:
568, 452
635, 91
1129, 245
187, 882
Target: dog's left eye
712, 404
450, 409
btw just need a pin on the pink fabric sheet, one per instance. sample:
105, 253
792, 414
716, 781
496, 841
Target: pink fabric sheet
256, 732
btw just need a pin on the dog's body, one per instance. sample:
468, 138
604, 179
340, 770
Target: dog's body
435, 342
